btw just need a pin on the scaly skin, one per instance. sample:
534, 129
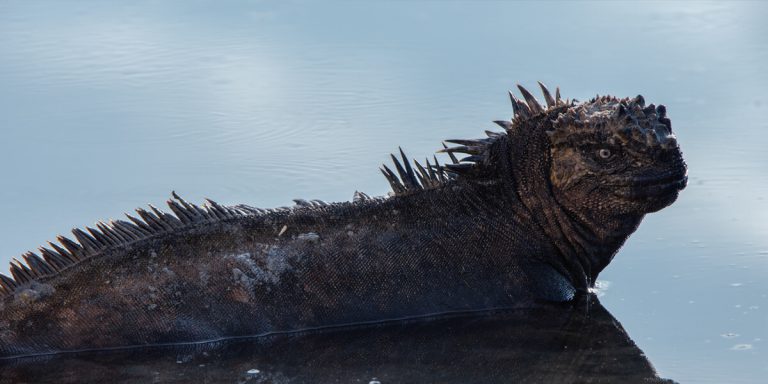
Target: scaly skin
533, 216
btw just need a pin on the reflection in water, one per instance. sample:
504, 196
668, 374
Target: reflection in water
568, 344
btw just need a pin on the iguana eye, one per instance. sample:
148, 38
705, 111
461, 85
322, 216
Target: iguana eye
604, 153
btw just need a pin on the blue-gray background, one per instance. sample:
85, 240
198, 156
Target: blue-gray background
107, 107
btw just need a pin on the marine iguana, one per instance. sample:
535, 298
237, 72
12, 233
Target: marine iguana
532, 214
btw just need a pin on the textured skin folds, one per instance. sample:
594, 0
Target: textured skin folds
530, 215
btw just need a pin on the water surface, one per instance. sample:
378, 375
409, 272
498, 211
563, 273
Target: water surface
107, 107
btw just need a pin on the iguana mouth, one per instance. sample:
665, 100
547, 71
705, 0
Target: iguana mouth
649, 187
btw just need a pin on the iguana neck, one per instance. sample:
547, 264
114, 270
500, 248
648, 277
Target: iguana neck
602, 236
584, 244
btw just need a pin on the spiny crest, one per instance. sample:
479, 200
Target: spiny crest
416, 178
530, 107
477, 163
407, 179
94, 241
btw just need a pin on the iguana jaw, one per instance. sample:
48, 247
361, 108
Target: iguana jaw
659, 191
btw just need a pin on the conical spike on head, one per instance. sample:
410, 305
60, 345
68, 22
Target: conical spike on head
389, 174
190, 209
8, 283
39, 266
460, 168
53, 258
127, 229
101, 239
453, 158
439, 169
522, 110
437, 163
213, 212
533, 104
432, 174
176, 196
110, 232
201, 213
151, 220
515, 105
205, 212
140, 224
217, 208
66, 255
20, 272
547, 96
182, 214
419, 176
86, 241
404, 178
118, 231
408, 168
393, 180
422, 173
74, 248
122, 228
168, 220
557, 96
507, 125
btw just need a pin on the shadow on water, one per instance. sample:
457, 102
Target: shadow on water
574, 344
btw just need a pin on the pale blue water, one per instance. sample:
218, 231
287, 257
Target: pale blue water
107, 107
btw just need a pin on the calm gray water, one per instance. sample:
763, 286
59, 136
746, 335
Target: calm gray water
107, 107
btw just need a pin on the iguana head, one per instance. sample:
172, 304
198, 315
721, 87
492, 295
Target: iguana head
615, 156
582, 174
603, 158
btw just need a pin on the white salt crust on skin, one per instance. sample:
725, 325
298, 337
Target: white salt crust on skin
249, 273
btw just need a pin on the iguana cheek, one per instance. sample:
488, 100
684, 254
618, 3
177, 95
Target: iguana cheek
567, 168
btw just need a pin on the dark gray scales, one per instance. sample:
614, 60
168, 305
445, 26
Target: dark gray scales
532, 214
